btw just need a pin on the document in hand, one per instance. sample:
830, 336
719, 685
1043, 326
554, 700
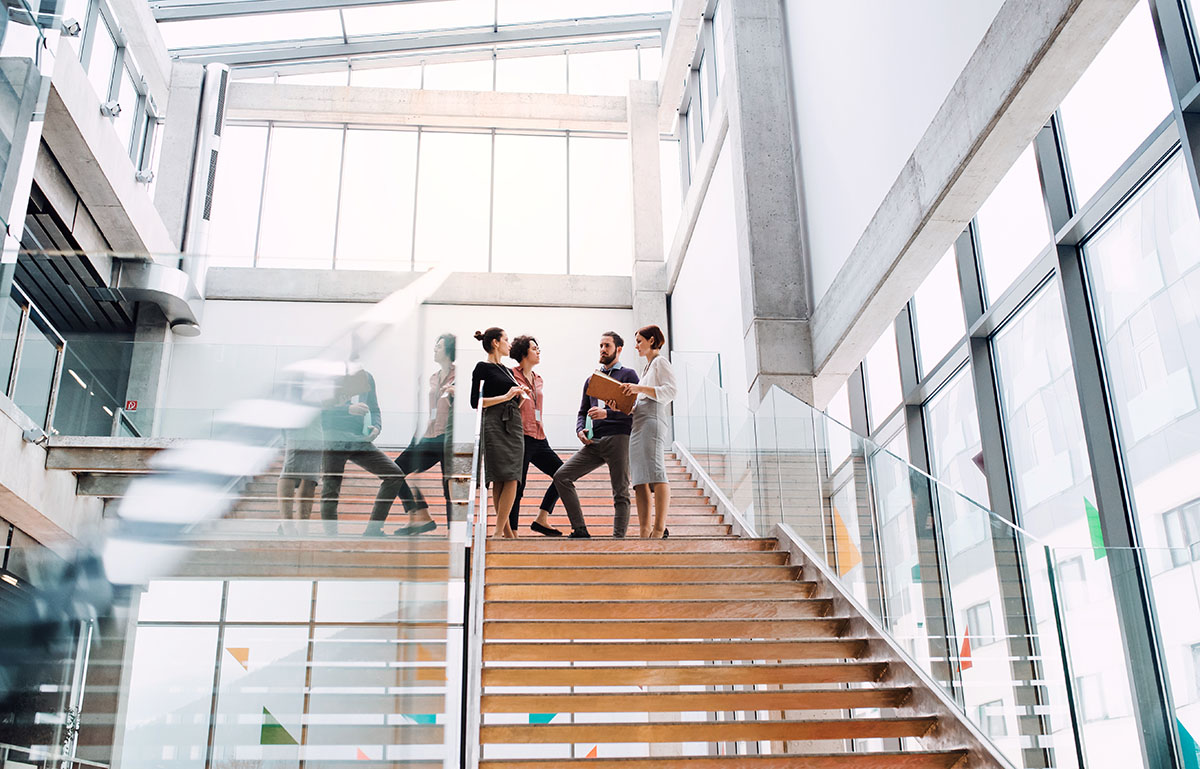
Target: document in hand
604, 388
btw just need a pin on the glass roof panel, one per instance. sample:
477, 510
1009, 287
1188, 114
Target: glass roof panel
529, 11
255, 28
418, 16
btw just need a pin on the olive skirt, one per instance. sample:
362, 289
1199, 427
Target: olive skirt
503, 441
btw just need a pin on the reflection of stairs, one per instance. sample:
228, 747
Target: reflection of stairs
708, 651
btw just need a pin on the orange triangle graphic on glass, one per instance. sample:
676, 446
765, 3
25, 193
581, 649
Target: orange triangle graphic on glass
428, 673
593, 752
964, 654
241, 654
362, 756
848, 554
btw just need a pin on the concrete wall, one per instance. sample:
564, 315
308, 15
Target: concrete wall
245, 343
706, 307
867, 79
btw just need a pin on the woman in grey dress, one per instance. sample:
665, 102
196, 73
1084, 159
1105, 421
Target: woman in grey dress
503, 432
648, 440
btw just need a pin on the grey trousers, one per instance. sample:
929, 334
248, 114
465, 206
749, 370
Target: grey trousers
611, 450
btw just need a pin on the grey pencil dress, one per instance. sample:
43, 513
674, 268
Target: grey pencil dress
503, 432
648, 439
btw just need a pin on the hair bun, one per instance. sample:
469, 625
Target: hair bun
479, 335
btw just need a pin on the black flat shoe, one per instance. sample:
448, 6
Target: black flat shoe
545, 531
419, 528
579, 534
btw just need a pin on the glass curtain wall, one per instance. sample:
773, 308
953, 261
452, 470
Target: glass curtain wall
984, 350
403, 199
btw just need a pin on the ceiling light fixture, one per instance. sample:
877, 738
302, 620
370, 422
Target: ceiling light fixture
77, 379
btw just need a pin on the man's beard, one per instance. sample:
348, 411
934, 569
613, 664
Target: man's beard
607, 360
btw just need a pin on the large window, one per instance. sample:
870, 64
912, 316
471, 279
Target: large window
316, 197
1145, 279
30, 356
938, 314
1119, 100
1012, 224
117, 82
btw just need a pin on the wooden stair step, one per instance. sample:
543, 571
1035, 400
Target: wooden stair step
630, 545
864, 760
698, 609
702, 702
685, 675
548, 559
824, 627
556, 591
661, 651
709, 731
617, 575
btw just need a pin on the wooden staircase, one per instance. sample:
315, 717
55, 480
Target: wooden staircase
703, 650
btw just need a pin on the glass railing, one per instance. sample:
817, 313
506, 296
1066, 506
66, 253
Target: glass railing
247, 600
1015, 629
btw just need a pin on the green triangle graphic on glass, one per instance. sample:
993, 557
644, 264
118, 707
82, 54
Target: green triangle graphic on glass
273, 732
541, 718
423, 718
1191, 752
1097, 533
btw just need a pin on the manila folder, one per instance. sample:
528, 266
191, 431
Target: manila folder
604, 388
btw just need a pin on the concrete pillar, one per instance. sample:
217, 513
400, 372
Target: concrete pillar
178, 148
649, 269
775, 291
148, 367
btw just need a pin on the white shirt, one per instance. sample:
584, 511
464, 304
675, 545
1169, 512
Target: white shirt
659, 375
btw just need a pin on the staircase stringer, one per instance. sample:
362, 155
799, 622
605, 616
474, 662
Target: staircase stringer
954, 730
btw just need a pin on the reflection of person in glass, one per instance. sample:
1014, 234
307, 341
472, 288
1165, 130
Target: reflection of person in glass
301, 470
350, 425
527, 354
503, 431
433, 447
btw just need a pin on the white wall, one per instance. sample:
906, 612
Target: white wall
706, 305
245, 344
868, 76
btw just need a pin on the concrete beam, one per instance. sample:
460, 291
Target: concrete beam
188, 10
82, 454
251, 54
1026, 63
398, 106
97, 163
460, 288
679, 51
39, 500
693, 202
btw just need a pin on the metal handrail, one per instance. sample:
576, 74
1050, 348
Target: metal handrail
473, 659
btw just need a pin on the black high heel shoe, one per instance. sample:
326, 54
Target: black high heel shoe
666, 533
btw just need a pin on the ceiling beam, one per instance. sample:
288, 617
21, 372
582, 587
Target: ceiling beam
191, 10
357, 105
334, 47
679, 50
461, 53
